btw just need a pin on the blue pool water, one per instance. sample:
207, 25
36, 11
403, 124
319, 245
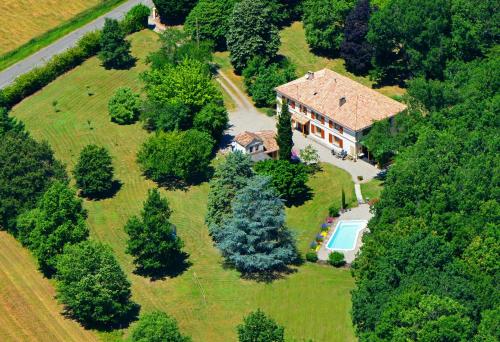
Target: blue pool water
345, 236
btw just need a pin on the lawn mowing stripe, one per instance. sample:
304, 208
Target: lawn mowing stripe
40, 293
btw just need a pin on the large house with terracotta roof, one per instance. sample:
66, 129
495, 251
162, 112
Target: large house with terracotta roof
335, 110
260, 145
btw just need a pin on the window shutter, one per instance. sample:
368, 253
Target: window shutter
322, 134
330, 123
313, 116
322, 120
313, 129
330, 138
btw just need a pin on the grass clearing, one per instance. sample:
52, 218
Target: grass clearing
28, 310
27, 26
372, 189
208, 300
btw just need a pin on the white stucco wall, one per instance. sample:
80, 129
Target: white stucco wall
349, 137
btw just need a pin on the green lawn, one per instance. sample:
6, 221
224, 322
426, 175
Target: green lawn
372, 189
208, 300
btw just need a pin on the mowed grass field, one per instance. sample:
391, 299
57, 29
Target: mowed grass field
208, 300
28, 311
21, 20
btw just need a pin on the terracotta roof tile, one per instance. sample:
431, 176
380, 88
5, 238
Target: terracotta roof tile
341, 99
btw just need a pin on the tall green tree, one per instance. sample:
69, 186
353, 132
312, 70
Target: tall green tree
213, 119
474, 28
251, 33
57, 221
428, 268
93, 287
410, 38
189, 83
209, 20
255, 239
27, 169
8, 123
289, 179
355, 49
94, 172
324, 24
284, 137
157, 326
261, 77
115, 49
174, 12
176, 156
229, 177
176, 45
153, 240
258, 327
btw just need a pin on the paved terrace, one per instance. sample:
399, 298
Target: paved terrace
362, 212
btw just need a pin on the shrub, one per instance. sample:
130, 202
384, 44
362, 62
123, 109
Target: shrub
157, 326
336, 259
333, 210
136, 19
90, 43
311, 256
258, 327
174, 156
124, 106
94, 171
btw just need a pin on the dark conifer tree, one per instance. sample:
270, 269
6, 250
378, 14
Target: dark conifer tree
284, 137
355, 49
115, 49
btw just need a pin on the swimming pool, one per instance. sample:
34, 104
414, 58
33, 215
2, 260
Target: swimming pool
346, 234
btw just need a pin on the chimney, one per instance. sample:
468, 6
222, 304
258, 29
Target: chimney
310, 75
342, 101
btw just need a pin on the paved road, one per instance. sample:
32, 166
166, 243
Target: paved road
42, 56
247, 117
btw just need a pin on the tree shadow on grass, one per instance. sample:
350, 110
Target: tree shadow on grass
121, 322
176, 268
300, 199
115, 187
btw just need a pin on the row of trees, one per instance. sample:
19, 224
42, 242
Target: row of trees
400, 39
429, 268
40, 209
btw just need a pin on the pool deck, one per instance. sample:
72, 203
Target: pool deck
361, 212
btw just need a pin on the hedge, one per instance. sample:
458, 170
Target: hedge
88, 46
